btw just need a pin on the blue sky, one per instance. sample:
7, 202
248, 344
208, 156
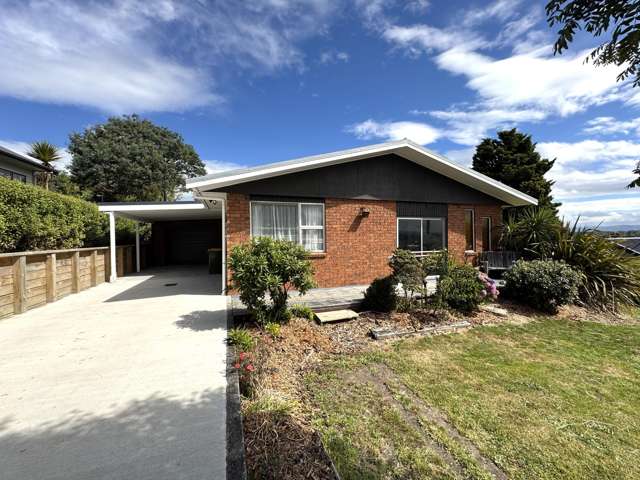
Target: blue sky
255, 82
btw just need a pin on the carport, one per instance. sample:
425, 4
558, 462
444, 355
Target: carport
183, 232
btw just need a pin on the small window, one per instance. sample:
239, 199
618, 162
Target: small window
301, 223
469, 230
421, 234
486, 234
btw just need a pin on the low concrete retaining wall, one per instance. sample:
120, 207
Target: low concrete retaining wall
32, 279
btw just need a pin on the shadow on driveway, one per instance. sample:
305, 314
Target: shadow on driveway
156, 438
167, 281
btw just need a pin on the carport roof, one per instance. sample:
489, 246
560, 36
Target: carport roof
162, 211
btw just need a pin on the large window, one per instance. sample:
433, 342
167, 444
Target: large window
421, 234
301, 223
469, 230
486, 234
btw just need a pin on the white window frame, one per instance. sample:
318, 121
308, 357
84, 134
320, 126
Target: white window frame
473, 230
422, 252
490, 232
300, 226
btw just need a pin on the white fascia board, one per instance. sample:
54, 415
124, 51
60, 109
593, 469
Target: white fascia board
312, 162
405, 148
150, 207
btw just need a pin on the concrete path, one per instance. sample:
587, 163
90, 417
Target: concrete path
122, 381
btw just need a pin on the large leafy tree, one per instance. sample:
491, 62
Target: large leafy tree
619, 20
513, 160
129, 158
47, 153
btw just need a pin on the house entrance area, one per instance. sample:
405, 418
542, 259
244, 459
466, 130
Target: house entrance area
183, 235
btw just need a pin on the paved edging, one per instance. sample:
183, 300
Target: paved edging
236, 467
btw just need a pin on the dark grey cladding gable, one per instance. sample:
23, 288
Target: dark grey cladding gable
421, 210
386, 177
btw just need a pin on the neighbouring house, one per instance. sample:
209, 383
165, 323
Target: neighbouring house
21, 167
629, 244
350, 209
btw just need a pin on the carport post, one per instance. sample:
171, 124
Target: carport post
112, 246
138, 247
224, 247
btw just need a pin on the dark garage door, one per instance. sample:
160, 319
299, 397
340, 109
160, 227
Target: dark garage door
185, 242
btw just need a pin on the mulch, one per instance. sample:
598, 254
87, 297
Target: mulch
285, 446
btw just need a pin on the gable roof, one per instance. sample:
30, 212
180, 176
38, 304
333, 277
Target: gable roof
21, 157
403, 148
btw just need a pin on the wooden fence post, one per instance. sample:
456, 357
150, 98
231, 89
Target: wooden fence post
107, 265
75, 272
93, 269
20, 284
51, 280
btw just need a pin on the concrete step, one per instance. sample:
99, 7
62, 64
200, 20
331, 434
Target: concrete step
335, 316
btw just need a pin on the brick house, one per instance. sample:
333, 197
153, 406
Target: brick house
350, 209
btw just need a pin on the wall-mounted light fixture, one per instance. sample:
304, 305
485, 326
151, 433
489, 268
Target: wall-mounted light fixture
364, 212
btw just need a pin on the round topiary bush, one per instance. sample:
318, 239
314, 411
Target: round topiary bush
542, 284
460, 288
381, 295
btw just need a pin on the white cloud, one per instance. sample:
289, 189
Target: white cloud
561, 85
591, 167
216, 166
24, 147
605, 211
470, 126
417, 39
462, 156
331, 56
613, 126
418, 132
499, 9
158, 55
418, 6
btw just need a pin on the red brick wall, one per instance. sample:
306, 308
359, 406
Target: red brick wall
456, 240
358, 248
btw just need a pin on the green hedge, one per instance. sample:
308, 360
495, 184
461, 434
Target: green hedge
32, 218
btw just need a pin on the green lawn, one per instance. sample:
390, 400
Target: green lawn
546, 400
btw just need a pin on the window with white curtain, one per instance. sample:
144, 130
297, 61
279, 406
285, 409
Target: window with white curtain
301, 223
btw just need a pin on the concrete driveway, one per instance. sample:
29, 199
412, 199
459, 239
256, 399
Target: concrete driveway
122, 381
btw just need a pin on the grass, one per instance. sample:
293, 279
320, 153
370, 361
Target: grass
547, 400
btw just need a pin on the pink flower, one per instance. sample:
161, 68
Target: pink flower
250, 368
242, 356
237, 365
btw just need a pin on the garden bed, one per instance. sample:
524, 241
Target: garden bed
283, 419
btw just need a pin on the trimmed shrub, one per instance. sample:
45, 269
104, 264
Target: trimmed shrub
266, 267
407, 271
609, 277
460, 289
381, 295
301, 311
542, 284
437, 263
273, 329
32, 218
241, 338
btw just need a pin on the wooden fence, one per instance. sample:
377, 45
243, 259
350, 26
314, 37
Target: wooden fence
32, 279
